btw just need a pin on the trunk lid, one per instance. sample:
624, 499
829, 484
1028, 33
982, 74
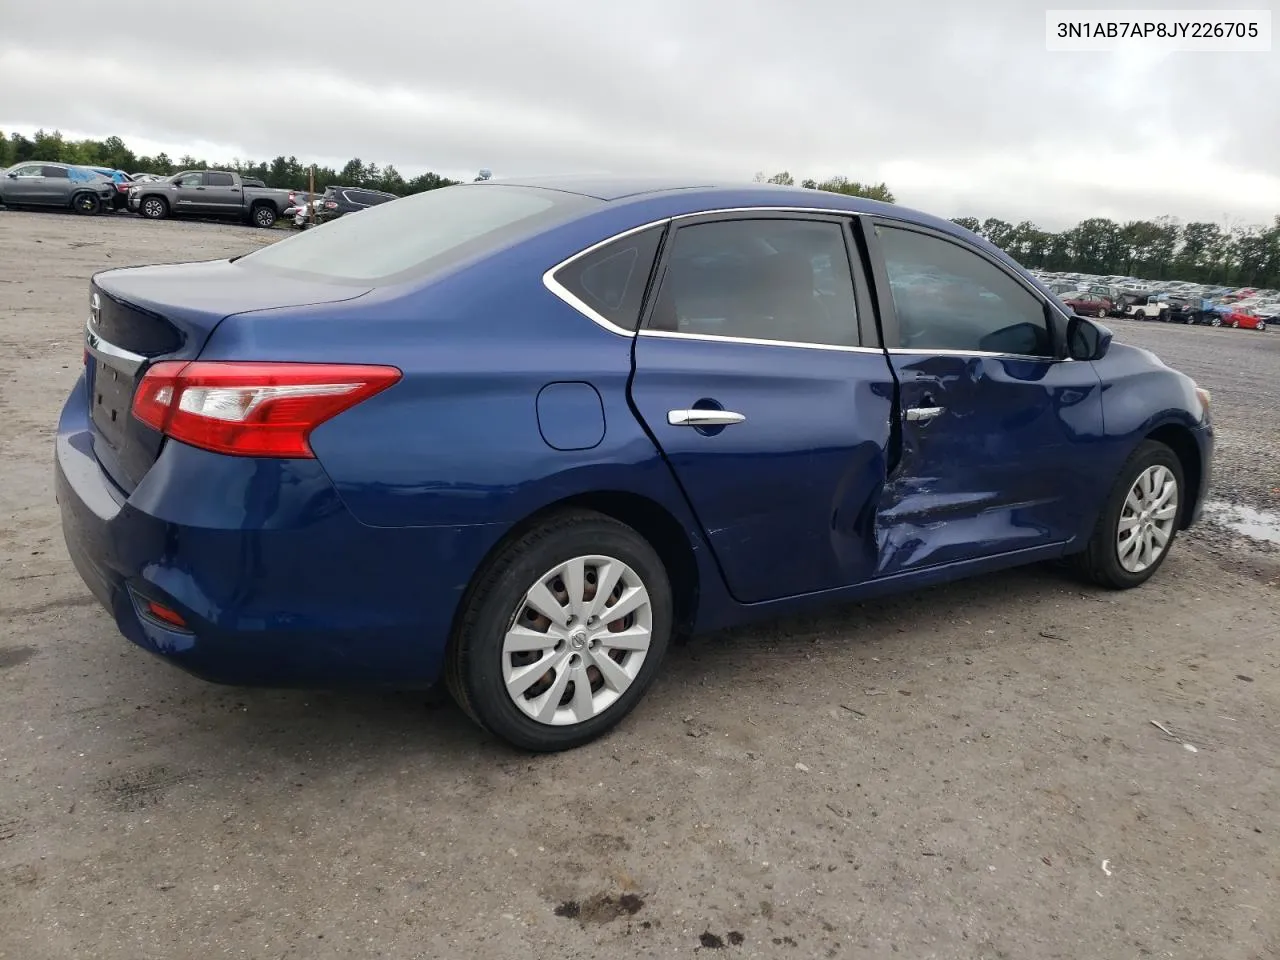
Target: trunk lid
142, 315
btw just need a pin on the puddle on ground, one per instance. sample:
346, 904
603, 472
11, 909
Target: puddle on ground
1258, 524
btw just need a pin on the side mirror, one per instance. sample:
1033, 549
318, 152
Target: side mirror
12, 176
1087, 340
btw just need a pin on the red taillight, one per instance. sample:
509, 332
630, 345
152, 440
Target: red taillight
252, 409
331, 204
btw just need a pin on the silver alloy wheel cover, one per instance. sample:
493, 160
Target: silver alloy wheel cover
152, 207
575, 638
264, 215
1147, 519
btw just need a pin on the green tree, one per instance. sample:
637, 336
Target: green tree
853, 188
972, 224
998, 232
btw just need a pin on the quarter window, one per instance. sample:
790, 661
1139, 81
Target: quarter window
949, 298
767, 279
611, 280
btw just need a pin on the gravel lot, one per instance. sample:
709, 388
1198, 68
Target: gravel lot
969, 772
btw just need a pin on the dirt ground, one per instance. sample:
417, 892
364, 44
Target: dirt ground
970, 771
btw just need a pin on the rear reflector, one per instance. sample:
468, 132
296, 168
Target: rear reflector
165, 614
252, 409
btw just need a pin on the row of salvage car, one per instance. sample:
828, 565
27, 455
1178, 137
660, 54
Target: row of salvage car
1243, 308
220, 194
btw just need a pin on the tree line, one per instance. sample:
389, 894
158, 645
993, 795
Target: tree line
286, 172
1160, 249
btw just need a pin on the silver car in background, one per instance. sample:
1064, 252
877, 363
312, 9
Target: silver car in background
40, 184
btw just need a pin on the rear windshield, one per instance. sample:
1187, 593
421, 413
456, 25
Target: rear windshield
417, 235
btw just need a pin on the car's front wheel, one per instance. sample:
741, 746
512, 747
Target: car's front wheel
154, 208
1139, 521
561, 633
1102, 313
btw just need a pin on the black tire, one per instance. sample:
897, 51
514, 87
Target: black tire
86, 204
1102, 313
473, 668
1139, 315
154, 208
1235, 324
264, 215
1100, 560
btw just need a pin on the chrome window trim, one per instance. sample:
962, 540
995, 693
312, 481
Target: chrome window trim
925, 352
755, 341
118, 358
556, 287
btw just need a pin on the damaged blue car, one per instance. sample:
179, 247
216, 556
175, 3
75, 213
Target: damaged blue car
518, 435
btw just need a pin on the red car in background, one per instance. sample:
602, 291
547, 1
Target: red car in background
1088, 304
1243, 320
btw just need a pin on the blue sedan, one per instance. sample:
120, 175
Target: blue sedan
519, 435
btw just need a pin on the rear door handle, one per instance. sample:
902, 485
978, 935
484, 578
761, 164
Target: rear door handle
703, 418
923, 414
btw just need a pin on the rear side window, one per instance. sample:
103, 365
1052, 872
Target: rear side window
58, 172
421, 234
220, 180
610, 281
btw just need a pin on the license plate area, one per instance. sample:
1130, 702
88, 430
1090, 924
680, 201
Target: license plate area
111, 399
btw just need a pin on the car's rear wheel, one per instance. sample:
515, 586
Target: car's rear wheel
86, 204
264, 216
1262, 326
1235, 324
1139, 521
1102, 313
562, 633
154, 208
1139, 315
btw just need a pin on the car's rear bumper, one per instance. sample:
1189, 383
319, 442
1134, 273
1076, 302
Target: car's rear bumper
277, 582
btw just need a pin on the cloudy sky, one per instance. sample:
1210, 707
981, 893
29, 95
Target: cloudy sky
956, 104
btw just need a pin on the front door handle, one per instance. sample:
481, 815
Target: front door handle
703, 418
923, 414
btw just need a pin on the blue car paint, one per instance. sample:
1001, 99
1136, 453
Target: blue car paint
570, 416
349, 568
812, 449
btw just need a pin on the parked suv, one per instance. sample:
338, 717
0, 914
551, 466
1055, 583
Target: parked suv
337, 201
1142, 306
56, 185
